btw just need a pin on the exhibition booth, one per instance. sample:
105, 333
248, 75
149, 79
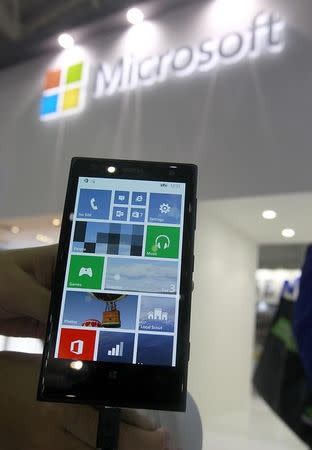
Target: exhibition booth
222, 85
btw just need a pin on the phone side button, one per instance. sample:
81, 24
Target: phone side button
193, 263
195, 215
189, 352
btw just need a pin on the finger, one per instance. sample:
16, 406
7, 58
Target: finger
81, 422
71, 442
54, 438
133, 417
134, 438
22, 327
24, 296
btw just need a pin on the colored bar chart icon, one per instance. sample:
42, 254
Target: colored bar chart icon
117, 350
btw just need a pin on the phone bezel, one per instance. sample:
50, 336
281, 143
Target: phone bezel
122, 385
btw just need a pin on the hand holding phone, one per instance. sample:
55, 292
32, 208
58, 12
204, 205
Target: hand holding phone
58, 426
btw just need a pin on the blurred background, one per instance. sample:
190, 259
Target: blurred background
222, 84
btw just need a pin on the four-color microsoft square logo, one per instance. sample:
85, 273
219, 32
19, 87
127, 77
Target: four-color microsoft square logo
63, 91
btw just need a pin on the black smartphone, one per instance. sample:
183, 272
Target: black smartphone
119, 320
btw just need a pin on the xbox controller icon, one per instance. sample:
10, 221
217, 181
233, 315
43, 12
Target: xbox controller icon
85, 271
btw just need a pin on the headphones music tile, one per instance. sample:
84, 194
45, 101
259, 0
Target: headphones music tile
162, 242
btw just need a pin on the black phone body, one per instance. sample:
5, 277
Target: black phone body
119, 320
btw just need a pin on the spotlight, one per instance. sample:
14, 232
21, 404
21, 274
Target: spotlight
65, 40
56, 222
135, 16
43, 238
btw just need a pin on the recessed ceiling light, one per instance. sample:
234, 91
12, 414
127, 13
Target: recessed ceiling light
15, 229
135, 16
56, 222
269, 214
65, 40
111, 169
43, 238
288, 233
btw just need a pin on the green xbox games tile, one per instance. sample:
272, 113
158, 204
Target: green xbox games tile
85, 272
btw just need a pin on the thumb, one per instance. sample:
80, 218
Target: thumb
133, 438
138, 419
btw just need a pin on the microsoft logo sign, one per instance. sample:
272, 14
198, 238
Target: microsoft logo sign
65, 88
63, 91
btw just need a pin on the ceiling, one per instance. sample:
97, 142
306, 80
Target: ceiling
29, 28
245, 214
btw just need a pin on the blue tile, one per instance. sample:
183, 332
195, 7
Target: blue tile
138, 198
120, 213
165, 208
155, 350
121, 197
137, 215
111, 343
94, 204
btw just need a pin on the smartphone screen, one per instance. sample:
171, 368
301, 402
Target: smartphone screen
120, 301
118, 327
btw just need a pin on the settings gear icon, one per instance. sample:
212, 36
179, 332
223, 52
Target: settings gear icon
164, 208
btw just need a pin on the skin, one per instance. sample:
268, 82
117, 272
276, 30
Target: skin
25, 284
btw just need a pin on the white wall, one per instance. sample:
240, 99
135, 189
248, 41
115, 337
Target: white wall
222, 324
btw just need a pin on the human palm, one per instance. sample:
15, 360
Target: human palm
25, 284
